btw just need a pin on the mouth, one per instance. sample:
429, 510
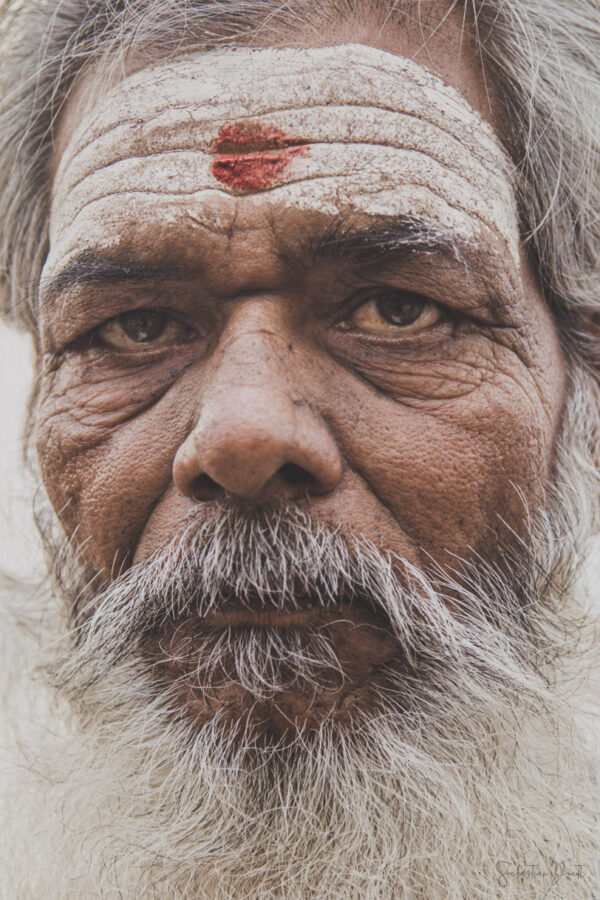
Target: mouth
279, 671
297, 610
309, 615
361, 636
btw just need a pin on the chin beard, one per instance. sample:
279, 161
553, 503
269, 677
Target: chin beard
260, 761
222, 762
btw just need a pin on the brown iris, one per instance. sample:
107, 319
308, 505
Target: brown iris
142, 327
393, 312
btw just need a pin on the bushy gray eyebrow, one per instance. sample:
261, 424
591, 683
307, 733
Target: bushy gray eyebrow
383, 235
341, 239
94, 268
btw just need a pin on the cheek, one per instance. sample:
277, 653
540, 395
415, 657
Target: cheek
450, 472
106, 453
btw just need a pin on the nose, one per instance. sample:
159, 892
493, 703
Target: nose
255, 436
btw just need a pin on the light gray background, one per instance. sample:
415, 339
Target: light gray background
19, 547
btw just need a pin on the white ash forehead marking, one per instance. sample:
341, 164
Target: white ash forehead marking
226, 83
395, 138
176, 131
187, 173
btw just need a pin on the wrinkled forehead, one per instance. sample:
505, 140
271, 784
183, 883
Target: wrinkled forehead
337, 128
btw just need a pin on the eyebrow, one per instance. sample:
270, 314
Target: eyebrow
93, 268
379, 238
382, 236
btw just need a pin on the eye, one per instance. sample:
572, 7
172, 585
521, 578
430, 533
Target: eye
142, 328
390, 311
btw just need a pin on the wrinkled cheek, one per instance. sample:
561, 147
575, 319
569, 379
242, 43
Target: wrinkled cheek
103, 479
55, 470
453, 483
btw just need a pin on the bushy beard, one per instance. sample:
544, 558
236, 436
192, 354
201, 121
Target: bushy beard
467, 760
158, 620
238, 565
455, 766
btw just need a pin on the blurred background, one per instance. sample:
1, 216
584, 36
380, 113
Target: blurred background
19, 547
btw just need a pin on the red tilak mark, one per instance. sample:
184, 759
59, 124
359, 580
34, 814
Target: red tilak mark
252, 156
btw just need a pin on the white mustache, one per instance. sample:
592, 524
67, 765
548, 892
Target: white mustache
269, 559
278, 558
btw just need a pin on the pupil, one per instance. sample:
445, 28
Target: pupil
400, 310
143, 326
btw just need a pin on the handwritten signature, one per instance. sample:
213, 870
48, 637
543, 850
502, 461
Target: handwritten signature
552, 873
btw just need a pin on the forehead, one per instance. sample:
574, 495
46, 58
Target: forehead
346, 131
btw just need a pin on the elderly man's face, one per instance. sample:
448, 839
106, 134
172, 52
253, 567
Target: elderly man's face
294, 275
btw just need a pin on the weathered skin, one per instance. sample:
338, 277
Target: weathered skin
414, 439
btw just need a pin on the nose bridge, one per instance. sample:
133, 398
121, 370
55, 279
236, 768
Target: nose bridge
256, 353
254, 421
250, 391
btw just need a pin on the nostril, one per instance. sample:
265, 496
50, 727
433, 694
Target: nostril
256, 458
296, 475
206, 488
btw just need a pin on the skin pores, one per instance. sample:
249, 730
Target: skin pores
267, 205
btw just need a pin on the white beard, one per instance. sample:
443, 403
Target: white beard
493, 793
